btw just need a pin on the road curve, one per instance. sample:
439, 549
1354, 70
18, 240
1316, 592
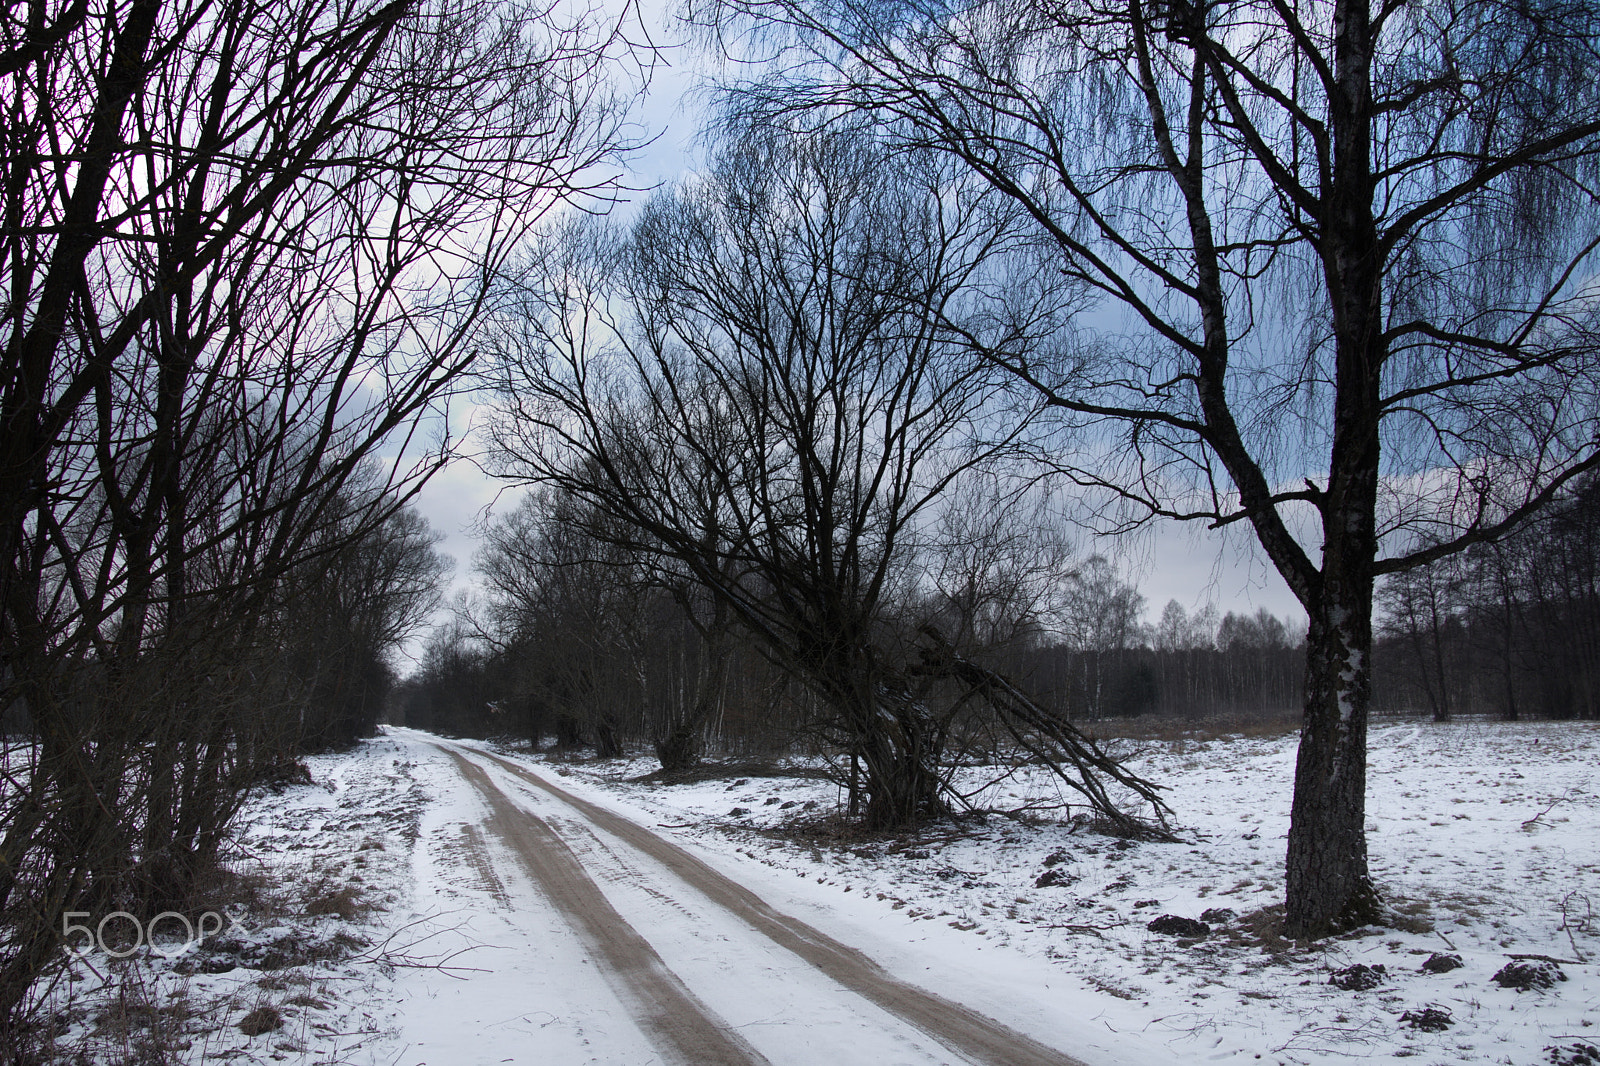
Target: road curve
974, 1036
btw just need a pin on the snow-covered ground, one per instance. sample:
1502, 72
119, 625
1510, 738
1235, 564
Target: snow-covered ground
434, 947
311, 941
1484, 838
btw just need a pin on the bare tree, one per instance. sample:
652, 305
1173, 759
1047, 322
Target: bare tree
1181, 632
1185, 643
1511, 627
1418, 606
339, 617
999, 570
600, 631
1100, 622
580, 610
1342, 251
778, 407
244, 244
1562, 559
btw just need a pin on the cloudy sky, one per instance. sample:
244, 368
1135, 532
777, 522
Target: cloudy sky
1172, 561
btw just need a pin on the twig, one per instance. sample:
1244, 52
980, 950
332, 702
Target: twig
1016, 813
402, 957
1531, 822
929, 841
442, 965
1362, 1034
1545, 958
1073, 757
1094, 930
1566, 921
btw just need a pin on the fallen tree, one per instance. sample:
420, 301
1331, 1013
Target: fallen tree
1071, 755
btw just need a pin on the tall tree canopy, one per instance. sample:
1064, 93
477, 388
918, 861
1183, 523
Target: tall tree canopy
759, 382
1343, 257
244, 242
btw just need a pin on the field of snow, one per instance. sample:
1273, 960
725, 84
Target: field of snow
1484, 839
387, 925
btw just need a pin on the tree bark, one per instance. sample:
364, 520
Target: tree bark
607, 744
891, 735
1328, 886
680, 748
902, 779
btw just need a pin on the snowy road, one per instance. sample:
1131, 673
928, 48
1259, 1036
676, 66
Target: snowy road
649, 954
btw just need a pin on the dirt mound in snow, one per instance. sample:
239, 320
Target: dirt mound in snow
1529, 975
1359, 978
1173, 925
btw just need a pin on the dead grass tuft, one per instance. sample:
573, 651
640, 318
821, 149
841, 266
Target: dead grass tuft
234, 891
284, 774
1259, 930
1410, 916
132, 1028
344, 902
838, 829
127, 1016
264, 1019
296, 951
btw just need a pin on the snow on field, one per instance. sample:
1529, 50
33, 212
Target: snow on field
302, 965
1484, 838
390, 926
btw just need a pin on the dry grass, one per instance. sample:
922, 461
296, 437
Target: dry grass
228, 887
264, 1019
1410, 916
1259, 929
134, 1027
344, 902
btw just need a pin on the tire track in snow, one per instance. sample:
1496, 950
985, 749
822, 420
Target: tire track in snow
611, 865
960, 1028
680, 1026
478, 855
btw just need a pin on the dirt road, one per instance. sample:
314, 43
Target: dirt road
563, 848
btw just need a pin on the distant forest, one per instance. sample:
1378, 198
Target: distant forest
1509, 630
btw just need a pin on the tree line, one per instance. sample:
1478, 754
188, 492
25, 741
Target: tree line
562, 651
1509, 629
245, 247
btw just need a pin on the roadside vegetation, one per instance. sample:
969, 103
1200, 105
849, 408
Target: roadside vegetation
245, 250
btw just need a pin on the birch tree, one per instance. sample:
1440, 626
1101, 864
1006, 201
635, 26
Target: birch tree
1341, 254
